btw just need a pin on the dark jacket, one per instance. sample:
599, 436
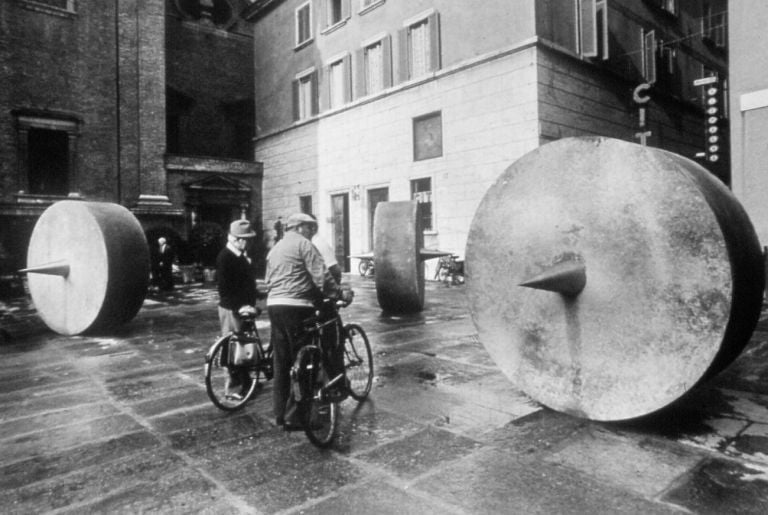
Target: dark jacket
237, 280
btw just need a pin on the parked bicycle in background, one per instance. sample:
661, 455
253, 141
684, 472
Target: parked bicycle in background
450, 270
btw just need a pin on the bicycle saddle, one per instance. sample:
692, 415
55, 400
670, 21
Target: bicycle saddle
249, 312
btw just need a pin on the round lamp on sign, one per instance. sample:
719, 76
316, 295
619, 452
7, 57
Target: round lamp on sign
711, 91
714, 148
712, 110
712, 119
712, 129
713, 139
714, 157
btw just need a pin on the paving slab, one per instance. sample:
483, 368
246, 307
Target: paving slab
121, 423
495, 482
720, 486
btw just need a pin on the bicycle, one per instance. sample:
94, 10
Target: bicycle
316, 393
365, 267
450, 270
237, 356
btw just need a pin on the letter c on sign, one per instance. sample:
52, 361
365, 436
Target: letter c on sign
637, 95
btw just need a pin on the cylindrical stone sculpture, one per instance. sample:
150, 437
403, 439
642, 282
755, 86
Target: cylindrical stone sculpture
87, 265
397, 244
606, 278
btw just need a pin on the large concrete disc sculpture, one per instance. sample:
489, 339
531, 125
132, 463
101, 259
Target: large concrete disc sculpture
606, 278
87, 265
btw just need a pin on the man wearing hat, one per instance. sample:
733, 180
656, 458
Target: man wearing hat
298, 280
237, 288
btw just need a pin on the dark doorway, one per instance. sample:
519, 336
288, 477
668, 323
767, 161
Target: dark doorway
375, 196
340, 207
48, 152
218, 214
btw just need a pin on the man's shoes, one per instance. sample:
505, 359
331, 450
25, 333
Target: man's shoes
292, 426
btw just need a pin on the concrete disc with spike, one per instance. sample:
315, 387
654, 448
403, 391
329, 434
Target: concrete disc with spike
606, 278
87, 266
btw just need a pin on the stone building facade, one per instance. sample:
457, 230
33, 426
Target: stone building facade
147, 104
749, 109
360, 101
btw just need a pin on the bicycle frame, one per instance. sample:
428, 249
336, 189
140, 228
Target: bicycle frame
315, 327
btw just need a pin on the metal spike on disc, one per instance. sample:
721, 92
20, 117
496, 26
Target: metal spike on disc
60, 268
566, 277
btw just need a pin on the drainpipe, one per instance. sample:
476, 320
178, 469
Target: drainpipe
118, 138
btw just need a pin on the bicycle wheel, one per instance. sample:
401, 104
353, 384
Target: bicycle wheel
358, 361
320, 416
362, 267
218, 377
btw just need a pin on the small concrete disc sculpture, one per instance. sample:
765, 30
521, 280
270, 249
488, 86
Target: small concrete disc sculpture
87, 266
606, 278
397, 241
399, 256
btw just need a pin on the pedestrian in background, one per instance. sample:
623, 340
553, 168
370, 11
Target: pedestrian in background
298, 280
237, 288
165, 257
329, 256
279, 229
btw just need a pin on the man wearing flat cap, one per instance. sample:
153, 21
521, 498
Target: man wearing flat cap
298, 280
237, 288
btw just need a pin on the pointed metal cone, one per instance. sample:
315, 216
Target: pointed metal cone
60, 268
567, 277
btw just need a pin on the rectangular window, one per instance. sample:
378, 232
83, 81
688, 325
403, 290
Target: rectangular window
593, 28
373, 68
305, 204
48, 162
305, 95
375, 195
419, 44
649, 55
47, 153
428, 136
421, 192
369, 5
377, 66
419, 50
339, 83
713, 26
303, 24
669, 6
335, 12
59, 5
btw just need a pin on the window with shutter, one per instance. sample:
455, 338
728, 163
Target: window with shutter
419, 46
54, 5
305, 95
303, 24
592, 21
339, 82
649, 56
421, 192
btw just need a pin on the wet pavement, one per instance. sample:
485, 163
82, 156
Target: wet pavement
122, 424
